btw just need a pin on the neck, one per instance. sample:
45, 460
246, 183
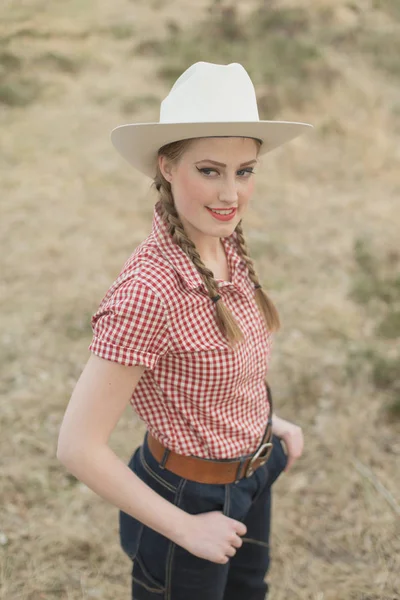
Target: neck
209, 247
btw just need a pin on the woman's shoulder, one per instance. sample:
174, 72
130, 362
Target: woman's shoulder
147, 266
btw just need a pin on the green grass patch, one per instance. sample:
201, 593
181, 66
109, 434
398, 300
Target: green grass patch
18, 92
285, 49
375, 41
16, 88
386, 372
121, 31
386, 377
77, 326
376, 278
376, 286
389, 327
390, 7
132, 105
9, 62
20, 82
60, 62
275, 44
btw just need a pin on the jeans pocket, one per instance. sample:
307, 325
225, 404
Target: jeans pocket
150, 565
205, 497
270, 471
130, 533
147, 548
130, 529
277, 461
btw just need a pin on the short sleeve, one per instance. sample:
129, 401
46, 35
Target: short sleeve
130, 326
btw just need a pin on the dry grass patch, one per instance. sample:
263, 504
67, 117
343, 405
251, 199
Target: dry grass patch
73, 211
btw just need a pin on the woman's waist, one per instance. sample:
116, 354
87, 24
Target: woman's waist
207, 429
212, 470
215, 439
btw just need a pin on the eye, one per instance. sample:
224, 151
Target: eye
243, 172
207, 170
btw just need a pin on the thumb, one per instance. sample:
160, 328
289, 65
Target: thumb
240, 527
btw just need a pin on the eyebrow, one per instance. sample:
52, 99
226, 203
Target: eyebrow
219, 164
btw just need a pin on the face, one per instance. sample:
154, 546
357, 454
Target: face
213, 174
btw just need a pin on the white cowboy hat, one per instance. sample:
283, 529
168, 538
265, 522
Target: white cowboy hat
207, 100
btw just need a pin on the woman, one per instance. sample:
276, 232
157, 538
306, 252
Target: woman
184, 335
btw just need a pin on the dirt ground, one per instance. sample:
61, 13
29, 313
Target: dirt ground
71, 213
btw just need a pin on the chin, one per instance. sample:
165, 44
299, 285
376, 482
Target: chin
225, 229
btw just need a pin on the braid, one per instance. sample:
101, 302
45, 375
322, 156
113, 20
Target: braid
225, 320
171, 218
264, 303
244, 251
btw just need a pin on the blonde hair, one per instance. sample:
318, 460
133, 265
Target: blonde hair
224, 317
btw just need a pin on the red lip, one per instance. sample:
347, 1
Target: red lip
228, 217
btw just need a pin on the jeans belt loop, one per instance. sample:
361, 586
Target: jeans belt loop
164, 456
239, 473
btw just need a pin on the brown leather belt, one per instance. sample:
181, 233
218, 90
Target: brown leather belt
206, 470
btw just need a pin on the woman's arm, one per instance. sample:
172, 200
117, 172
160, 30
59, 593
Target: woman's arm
97, 403
292, 435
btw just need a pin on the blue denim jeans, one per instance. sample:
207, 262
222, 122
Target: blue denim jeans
163, 570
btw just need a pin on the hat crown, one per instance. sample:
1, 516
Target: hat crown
211, 93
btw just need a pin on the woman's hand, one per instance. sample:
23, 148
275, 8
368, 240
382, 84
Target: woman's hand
292, 435
212, 536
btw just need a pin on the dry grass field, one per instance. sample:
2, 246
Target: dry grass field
323, 229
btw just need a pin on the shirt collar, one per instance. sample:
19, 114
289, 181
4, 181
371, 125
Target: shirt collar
182, 264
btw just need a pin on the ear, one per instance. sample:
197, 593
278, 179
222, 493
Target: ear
165, 168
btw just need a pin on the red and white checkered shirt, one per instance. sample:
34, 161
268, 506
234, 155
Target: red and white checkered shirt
197, 396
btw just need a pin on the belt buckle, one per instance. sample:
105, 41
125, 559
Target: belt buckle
259, 454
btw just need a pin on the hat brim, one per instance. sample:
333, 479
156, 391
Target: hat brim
139, 143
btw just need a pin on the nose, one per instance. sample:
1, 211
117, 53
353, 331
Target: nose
228, 192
